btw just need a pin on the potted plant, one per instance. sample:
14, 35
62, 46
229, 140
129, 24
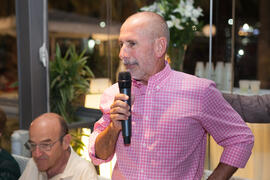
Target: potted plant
69, 79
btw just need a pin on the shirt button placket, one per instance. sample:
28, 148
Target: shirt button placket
144, 143
143, 148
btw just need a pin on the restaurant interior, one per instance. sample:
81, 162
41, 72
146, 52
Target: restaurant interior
230, 46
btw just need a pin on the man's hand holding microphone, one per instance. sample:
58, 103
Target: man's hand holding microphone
120, 112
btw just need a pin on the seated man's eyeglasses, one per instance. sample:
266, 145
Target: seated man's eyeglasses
44, 146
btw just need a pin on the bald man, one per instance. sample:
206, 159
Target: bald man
52, 156
172, 112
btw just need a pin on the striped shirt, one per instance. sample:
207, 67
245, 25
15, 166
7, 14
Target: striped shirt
171, 117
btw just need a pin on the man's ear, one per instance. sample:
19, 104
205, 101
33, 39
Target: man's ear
66, 141
160, 46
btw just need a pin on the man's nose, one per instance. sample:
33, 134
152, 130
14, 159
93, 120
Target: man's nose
37, 152
123, 52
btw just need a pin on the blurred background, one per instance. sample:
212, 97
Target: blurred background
94, 27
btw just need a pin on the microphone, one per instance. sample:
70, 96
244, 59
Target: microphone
124, 82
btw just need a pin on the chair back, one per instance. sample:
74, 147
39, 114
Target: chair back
18, 138
22, 161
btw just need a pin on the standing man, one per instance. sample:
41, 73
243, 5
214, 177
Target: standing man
172, 112
52, 156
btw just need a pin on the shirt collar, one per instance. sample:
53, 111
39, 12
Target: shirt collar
67, 173
155, 80
160, 76
137, 84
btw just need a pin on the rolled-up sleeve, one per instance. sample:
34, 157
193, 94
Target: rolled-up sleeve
105, 103
227, 127
98, 128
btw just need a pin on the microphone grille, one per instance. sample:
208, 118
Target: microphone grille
124, 80
125, 75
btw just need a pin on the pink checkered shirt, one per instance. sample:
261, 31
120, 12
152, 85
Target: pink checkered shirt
170, 120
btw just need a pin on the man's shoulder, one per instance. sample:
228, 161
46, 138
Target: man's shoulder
31, 164
113, 89
30, 171
5, 157
189, 81
78, 161
80, 167
9, 168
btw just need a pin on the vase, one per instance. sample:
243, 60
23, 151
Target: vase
176, 57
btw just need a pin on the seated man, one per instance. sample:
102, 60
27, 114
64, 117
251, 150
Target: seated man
52, 156
9, 168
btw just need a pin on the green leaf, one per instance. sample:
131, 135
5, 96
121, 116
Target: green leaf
69, 78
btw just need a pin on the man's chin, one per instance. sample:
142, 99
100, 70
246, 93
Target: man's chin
41, 165
42, 168
136, 77
132, 73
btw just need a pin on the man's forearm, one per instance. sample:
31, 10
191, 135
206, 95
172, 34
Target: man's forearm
106, 142
222, 172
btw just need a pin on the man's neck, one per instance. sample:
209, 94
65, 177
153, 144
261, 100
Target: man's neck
60, 166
